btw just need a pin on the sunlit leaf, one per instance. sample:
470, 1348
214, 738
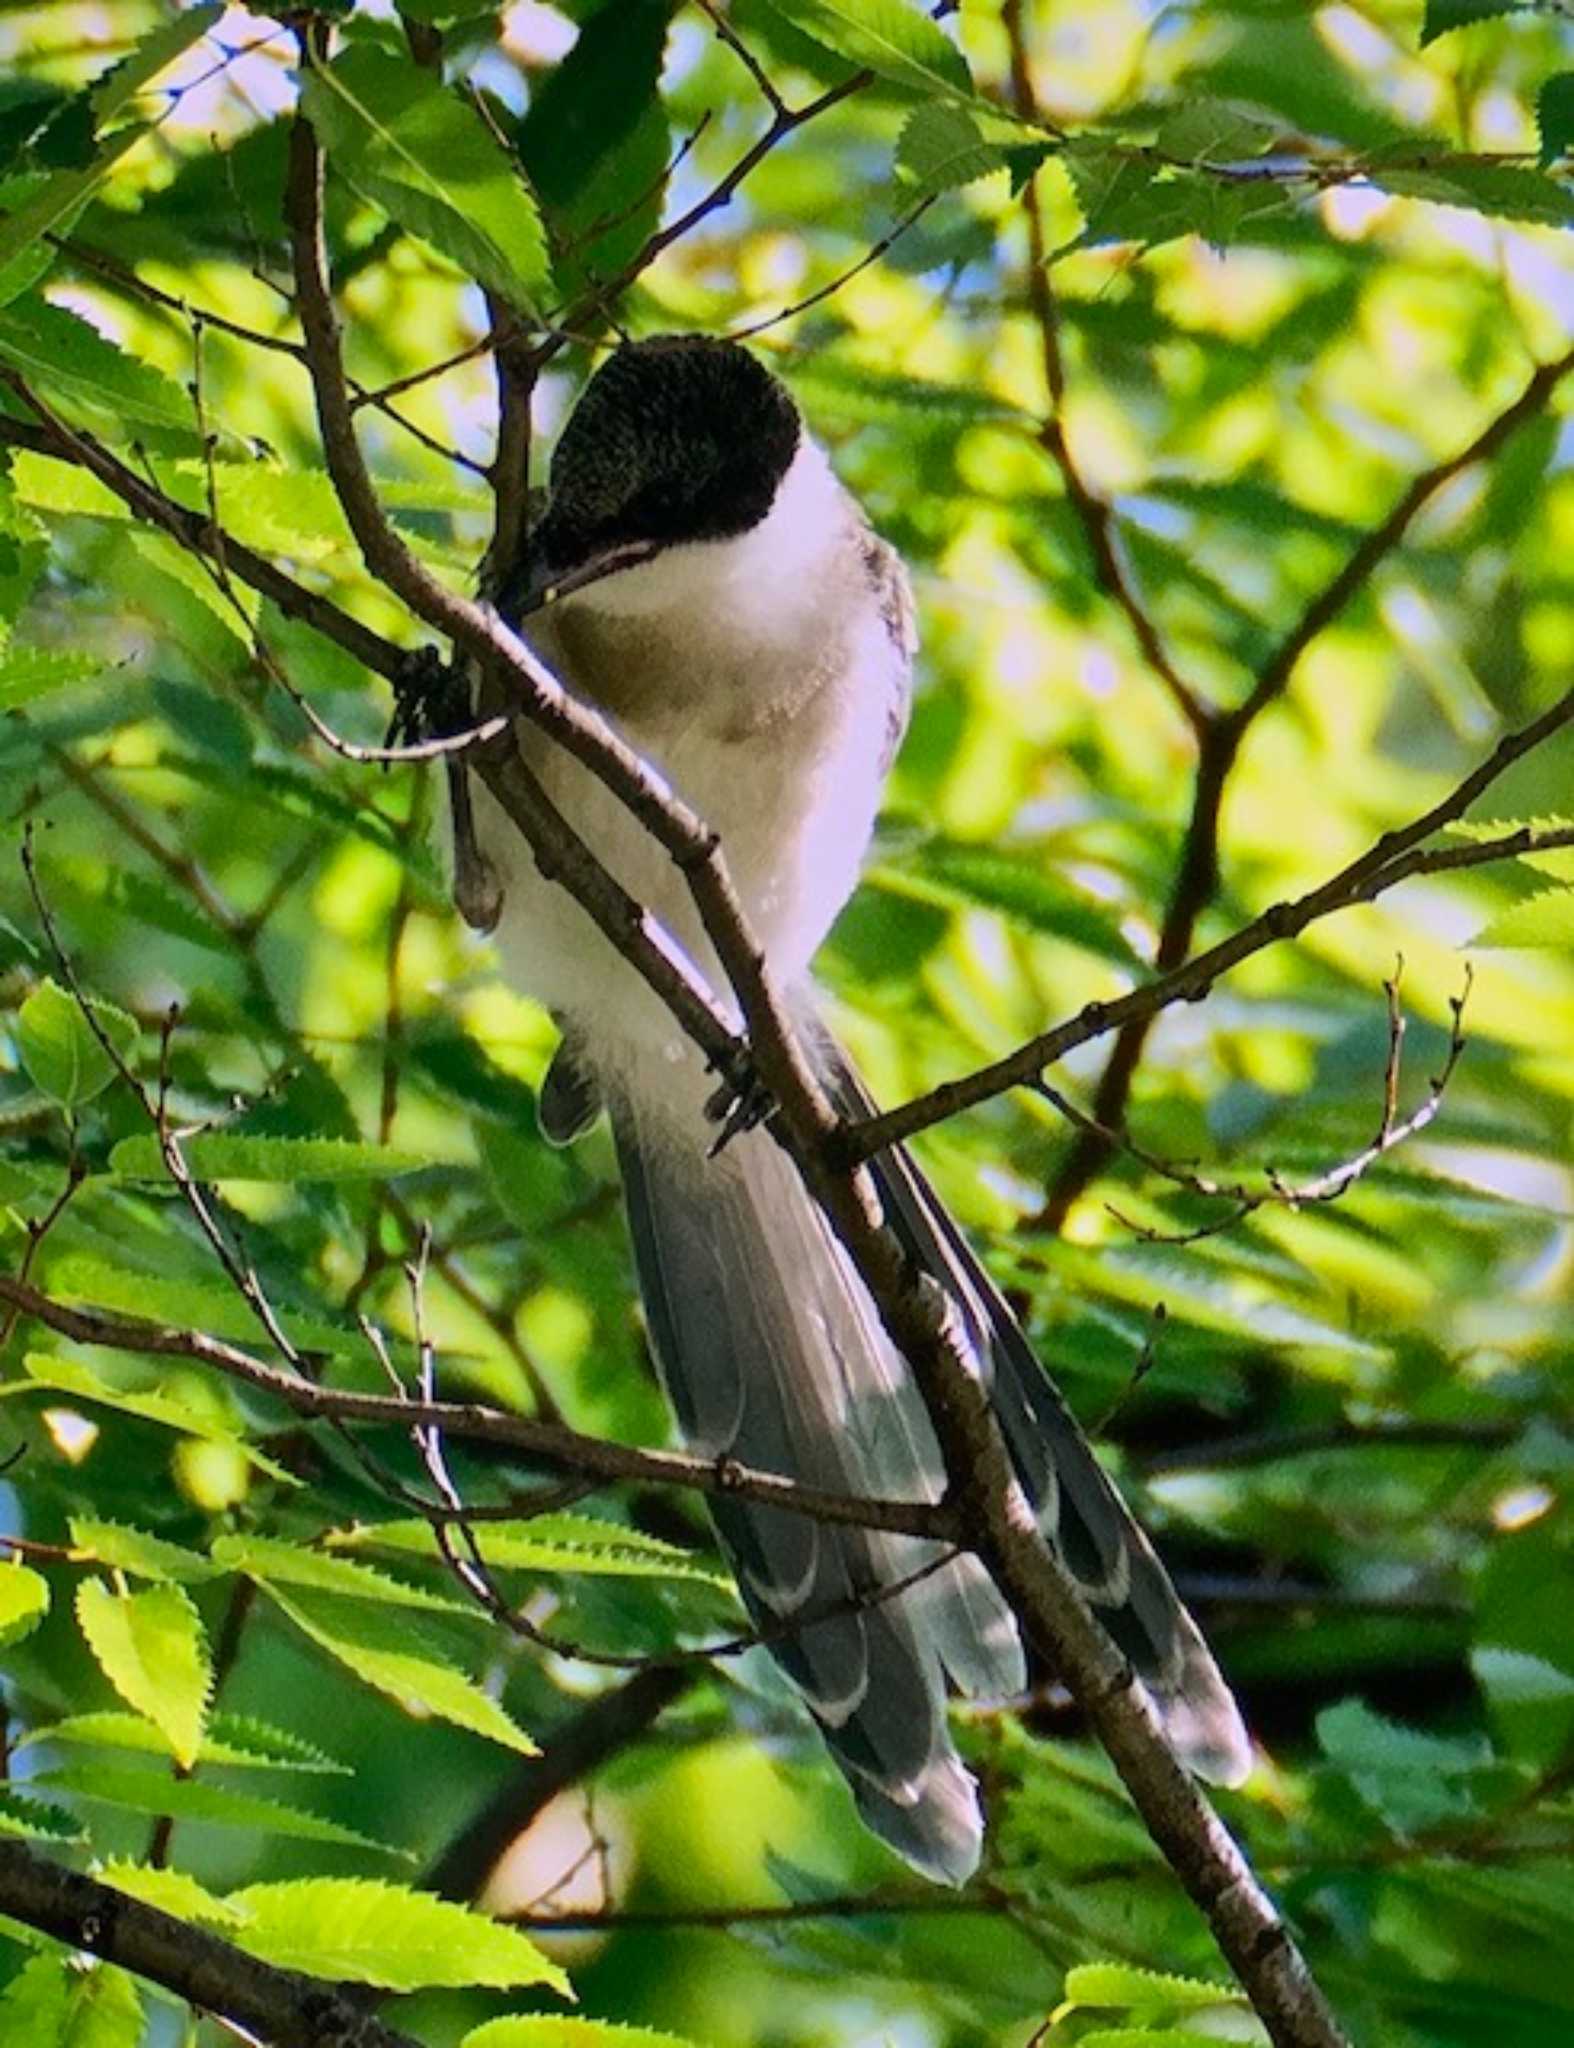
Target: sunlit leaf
370, 1933
70, 360
563, 2030
153, 1650
156, 1792
232, 1739
217, 1155
27, 673
124, 1549
24, 1601
1545, 919
547, 1543
891, 37
172, 1891
391, 1654
418, 151
287, 1564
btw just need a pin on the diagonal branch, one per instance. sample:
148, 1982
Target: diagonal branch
1394, 858
1220, 739
211, 1973
544, 1443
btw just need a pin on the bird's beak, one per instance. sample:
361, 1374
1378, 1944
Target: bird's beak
544, 585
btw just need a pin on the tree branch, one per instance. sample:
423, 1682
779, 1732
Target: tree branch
216, 1977
1220, 738
544, 1443
1394, 858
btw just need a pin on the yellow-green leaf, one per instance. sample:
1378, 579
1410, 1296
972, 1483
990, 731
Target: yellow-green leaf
391, 1654
563, 2030
217, 1155
418, 151
547, 1543
358, 1930
154, 1651
135, 1551
172, 1891
24, 1601
273, 1563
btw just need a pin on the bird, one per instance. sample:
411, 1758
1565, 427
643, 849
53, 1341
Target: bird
703, 579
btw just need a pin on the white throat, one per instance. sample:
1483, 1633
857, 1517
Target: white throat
764, 574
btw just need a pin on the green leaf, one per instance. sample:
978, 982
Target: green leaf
1500, 191
27, 673
103, 2010
390, 1653
171, 1891
193, 1304
24, 1601
888, 37
1214, 132
1123, 198
595, 132
155, 1792
942, 146
1021, 886
426, 158
135, 1551
217, 1155
1555, 116
36, 1820
363, 1932
24, 254
234, 1740
1126, 1987
1412, 1779
272, 1563
92, 886
32, 2010
114, 90
547, 1543
562, 2030
60, 1050
842, 390
72, 362
1540, 921
154, 1652
1149, 2037
49, 1373
1442, 16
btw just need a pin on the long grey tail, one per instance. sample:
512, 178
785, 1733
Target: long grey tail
773, 1353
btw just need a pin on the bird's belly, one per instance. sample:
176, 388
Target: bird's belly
791, 865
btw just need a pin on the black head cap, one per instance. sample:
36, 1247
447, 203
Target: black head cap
679, 438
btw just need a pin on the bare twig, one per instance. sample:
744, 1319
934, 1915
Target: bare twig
1331, 1184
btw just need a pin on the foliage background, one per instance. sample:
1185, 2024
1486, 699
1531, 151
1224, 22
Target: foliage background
1300, 258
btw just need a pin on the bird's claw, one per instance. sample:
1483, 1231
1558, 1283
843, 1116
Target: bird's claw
741, 1103
430, 700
